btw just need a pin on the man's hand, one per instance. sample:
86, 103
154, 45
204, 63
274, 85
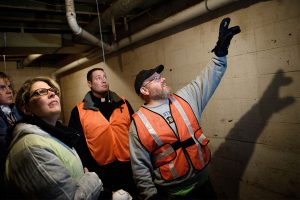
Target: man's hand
85, 170
225, 36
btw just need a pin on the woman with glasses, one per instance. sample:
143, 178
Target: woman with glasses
42, 163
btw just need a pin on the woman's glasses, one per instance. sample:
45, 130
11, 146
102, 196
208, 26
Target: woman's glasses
44, 91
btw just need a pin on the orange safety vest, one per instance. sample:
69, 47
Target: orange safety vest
170, 153
106, 140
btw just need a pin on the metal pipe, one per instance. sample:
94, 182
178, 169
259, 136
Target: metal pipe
187, 14
29, 59
77, 30
179, 18
70, 66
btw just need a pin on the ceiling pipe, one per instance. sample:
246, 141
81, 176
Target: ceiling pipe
185, 15
70, 66
172, 21
29, 59
77, 30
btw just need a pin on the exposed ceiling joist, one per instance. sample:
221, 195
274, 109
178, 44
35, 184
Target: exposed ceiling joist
49, 34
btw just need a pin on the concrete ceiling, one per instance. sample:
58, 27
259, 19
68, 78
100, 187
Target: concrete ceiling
40, 27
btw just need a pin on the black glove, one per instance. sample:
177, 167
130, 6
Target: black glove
225, 36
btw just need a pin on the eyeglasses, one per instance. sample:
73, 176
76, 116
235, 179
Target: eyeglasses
7, 87
155, 79
44, 91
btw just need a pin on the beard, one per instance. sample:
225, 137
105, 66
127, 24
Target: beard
161, 94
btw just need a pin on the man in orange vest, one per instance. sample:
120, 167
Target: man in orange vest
103, 119
169, 152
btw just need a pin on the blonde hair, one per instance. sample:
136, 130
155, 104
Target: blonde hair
23, 95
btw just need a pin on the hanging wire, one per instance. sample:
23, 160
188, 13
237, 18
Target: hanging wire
4, 61
103, 54
100, 30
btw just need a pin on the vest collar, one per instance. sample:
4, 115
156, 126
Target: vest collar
90, 104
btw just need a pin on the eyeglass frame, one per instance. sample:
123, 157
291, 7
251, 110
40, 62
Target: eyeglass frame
37, 92
6, 87
155, 78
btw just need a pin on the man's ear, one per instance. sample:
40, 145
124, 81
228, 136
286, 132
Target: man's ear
89, 84
144, 91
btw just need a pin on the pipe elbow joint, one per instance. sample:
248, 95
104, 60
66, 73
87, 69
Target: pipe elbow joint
77, 30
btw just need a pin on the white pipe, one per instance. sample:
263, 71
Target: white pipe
77, 30
179, 18
70, 66
187, 14
29, 59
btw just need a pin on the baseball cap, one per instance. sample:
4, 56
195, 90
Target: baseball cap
143, 75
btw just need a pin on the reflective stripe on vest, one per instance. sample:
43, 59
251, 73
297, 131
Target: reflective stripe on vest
150, 128
106, 140
168, 154
155, 137
188, 124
